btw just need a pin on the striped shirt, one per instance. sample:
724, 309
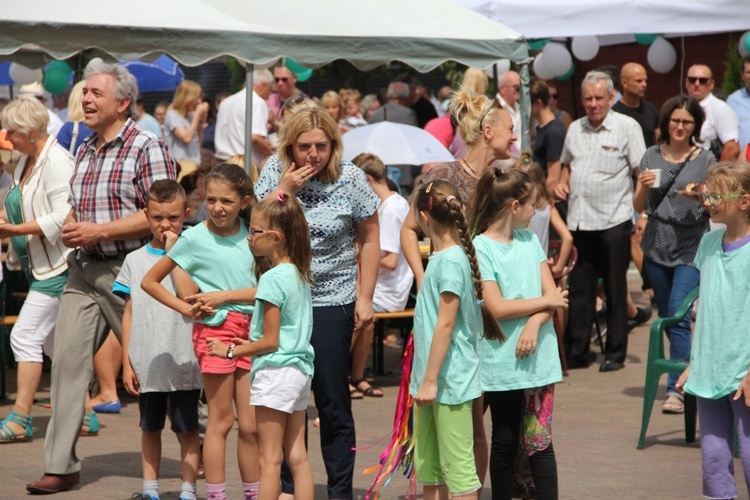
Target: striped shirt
113, 183
676, 224
601, 162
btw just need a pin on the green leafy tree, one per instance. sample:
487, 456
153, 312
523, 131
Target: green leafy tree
733, 68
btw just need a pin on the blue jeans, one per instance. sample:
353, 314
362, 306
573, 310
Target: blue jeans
671, 285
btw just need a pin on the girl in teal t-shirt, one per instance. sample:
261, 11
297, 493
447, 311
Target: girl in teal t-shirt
448, 321
517, 376
720, 357
280, 341
219, 299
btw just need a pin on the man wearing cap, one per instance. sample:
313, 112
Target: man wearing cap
115, 168
37, 90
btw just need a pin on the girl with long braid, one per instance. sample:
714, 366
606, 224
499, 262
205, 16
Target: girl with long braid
517, 376
448, 320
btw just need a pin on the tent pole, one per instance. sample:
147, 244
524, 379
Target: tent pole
523, 66
249, 117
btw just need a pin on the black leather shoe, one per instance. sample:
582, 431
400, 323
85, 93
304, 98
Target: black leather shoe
611, 366
641, 316
583, 361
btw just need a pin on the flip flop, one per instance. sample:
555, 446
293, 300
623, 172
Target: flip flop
673, 405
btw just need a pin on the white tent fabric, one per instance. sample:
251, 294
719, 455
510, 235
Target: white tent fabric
567, 18
368, 33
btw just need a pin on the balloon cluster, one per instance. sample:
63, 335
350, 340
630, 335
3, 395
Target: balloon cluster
744, 45
54, 76
554, 61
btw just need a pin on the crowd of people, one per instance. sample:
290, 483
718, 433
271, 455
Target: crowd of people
267, 270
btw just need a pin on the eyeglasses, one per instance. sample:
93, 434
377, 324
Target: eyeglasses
282, 79
254, 231
714, 199
703, 80
492, 104
685, 123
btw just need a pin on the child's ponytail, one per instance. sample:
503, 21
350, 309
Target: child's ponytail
441, 200
285, 214
492, 329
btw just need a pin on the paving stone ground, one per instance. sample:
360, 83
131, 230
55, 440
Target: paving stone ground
596, 426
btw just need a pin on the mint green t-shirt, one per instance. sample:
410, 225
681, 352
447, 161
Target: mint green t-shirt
515, 267
720, 356
217, 263
448, 271
283, 287
53, 286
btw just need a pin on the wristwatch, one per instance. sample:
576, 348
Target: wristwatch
230, 352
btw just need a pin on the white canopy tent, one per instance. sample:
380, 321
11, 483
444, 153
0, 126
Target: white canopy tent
367, 33
567, 18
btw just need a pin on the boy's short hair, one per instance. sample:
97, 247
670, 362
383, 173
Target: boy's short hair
372, 165
166, 190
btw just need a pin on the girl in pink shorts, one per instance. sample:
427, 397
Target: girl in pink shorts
214, 275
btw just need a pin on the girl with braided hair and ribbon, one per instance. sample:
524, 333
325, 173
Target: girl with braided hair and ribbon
518, 375
448, 320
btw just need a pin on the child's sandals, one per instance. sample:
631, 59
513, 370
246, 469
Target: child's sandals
8, 435
673, 405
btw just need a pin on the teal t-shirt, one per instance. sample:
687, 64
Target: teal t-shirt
217, 263
53, 286
448, 271
515, 267
283, 287
720, 355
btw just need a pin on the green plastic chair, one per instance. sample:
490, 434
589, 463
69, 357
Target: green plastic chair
658, 365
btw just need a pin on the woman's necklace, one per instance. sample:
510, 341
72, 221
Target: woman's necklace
476, 174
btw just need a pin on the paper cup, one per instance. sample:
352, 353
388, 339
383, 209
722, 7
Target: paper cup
657, 180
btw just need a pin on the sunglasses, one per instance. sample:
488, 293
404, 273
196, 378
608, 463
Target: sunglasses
714, 199
282, 79
703, 80
685, 123
553, 96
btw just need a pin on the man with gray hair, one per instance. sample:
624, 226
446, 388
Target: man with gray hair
509, 94
396, 109
115, 168
601, 152
230, 121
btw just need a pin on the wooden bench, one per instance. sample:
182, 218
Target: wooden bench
380, 319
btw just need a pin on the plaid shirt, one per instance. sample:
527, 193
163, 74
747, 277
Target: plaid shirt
113, 183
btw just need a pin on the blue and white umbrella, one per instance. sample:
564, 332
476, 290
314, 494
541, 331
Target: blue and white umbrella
163, 74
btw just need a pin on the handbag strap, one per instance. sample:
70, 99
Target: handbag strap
674, 179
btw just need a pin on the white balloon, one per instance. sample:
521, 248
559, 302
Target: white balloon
741, 44
585, 48
23, 75
539, 68
503, 65
661, 56
557, 59
95, 60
